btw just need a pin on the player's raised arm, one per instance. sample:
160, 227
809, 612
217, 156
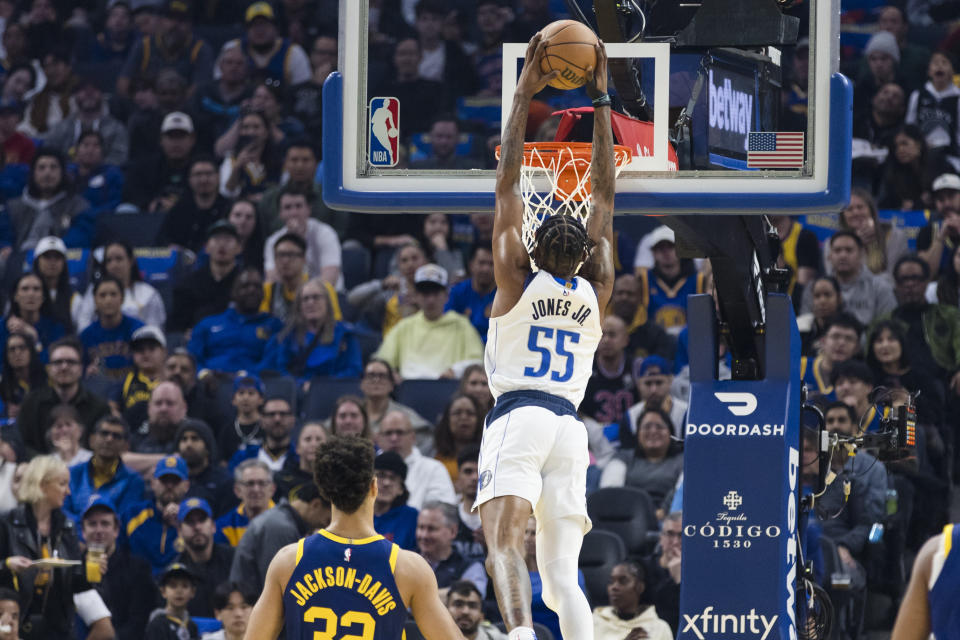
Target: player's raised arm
510, 260
600, 269
266, 619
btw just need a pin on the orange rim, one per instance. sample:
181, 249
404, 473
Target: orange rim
546, 155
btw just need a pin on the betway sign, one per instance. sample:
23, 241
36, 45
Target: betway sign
731, 112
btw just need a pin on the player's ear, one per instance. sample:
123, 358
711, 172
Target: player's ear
374, 488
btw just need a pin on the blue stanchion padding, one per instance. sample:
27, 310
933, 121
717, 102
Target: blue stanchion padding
910, 222
741, 481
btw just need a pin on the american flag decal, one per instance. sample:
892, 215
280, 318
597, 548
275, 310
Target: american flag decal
775, 150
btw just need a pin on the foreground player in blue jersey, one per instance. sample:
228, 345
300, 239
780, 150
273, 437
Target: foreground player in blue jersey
929, 608
346, 581
544, 331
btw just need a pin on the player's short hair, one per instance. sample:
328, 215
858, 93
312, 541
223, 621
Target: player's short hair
343, 471
561, 245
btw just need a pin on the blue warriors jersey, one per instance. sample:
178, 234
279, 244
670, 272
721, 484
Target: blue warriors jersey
667, 304
945, 587
811, 376
343, 588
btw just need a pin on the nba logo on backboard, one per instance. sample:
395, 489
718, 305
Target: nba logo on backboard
384, 132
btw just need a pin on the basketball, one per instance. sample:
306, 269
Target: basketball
570, 51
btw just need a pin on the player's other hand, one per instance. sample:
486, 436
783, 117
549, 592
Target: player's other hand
532, 79
597, 76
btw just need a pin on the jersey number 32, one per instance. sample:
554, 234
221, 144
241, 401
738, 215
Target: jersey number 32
330, 623
556, 348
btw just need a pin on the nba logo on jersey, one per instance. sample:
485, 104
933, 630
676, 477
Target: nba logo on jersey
346, 554
384, 132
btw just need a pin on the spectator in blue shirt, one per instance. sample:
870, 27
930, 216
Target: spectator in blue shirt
474, 297
314, 343
253, 484
101, 184
26, 315
236, 339
106, 342
152, 525
105, 474
393, 518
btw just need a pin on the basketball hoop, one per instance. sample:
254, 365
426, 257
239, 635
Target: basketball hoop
564, 167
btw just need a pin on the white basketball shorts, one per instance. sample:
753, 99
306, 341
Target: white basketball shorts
533, 453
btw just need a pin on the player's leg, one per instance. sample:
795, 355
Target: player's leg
558, 551
504, 521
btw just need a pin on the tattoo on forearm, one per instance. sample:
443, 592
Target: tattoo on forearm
511, 144
602, 173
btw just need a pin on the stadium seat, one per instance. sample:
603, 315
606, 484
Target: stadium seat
627, 512
427, 397
102, 386
283, 386
356, 264
600, 553
323, 395
136, 229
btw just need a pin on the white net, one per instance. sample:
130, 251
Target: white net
556, 179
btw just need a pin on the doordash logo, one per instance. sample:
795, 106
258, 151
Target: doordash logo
739, 404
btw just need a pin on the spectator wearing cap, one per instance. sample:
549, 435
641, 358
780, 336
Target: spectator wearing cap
248, 395
64, 373
50, 263
105, 52
173, 45
105, 474
149, 348
48, 207
299, 172
431, 343
883, 66
196, 444
665, 287
653, 377
853, 381
17, 147
427, 479
253, 485
101, 184
292, 519
127, 586
90, 115
178, 588
207, 291
313, 342
936, 242
913, 55
186, 224
393, 518
217, 104
298, 469
52, 103
151, 526
236, 339
208, 561
865, 294
323, 255
269, 54
149, 178
936, 106
106, 341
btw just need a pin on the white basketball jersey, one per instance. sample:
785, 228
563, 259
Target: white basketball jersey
547, 341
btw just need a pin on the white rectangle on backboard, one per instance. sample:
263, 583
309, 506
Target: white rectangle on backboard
659, 52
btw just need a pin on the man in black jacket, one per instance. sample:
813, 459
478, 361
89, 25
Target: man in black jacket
196, 445
127, 586
208, 562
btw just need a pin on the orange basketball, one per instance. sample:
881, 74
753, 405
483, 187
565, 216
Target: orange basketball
570, 51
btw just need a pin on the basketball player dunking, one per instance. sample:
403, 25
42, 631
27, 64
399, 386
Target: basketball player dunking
544, 330
346, 581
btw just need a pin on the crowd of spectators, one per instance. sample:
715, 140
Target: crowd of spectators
171, 431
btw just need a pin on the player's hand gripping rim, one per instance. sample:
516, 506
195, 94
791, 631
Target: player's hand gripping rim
596, 84
532, 79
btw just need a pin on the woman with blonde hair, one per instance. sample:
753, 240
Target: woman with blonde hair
314, 342
36, 530
883, 243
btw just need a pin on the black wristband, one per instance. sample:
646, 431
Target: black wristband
602, 101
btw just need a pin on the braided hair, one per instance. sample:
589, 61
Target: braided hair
561, 245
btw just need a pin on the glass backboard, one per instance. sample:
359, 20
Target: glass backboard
741, 100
